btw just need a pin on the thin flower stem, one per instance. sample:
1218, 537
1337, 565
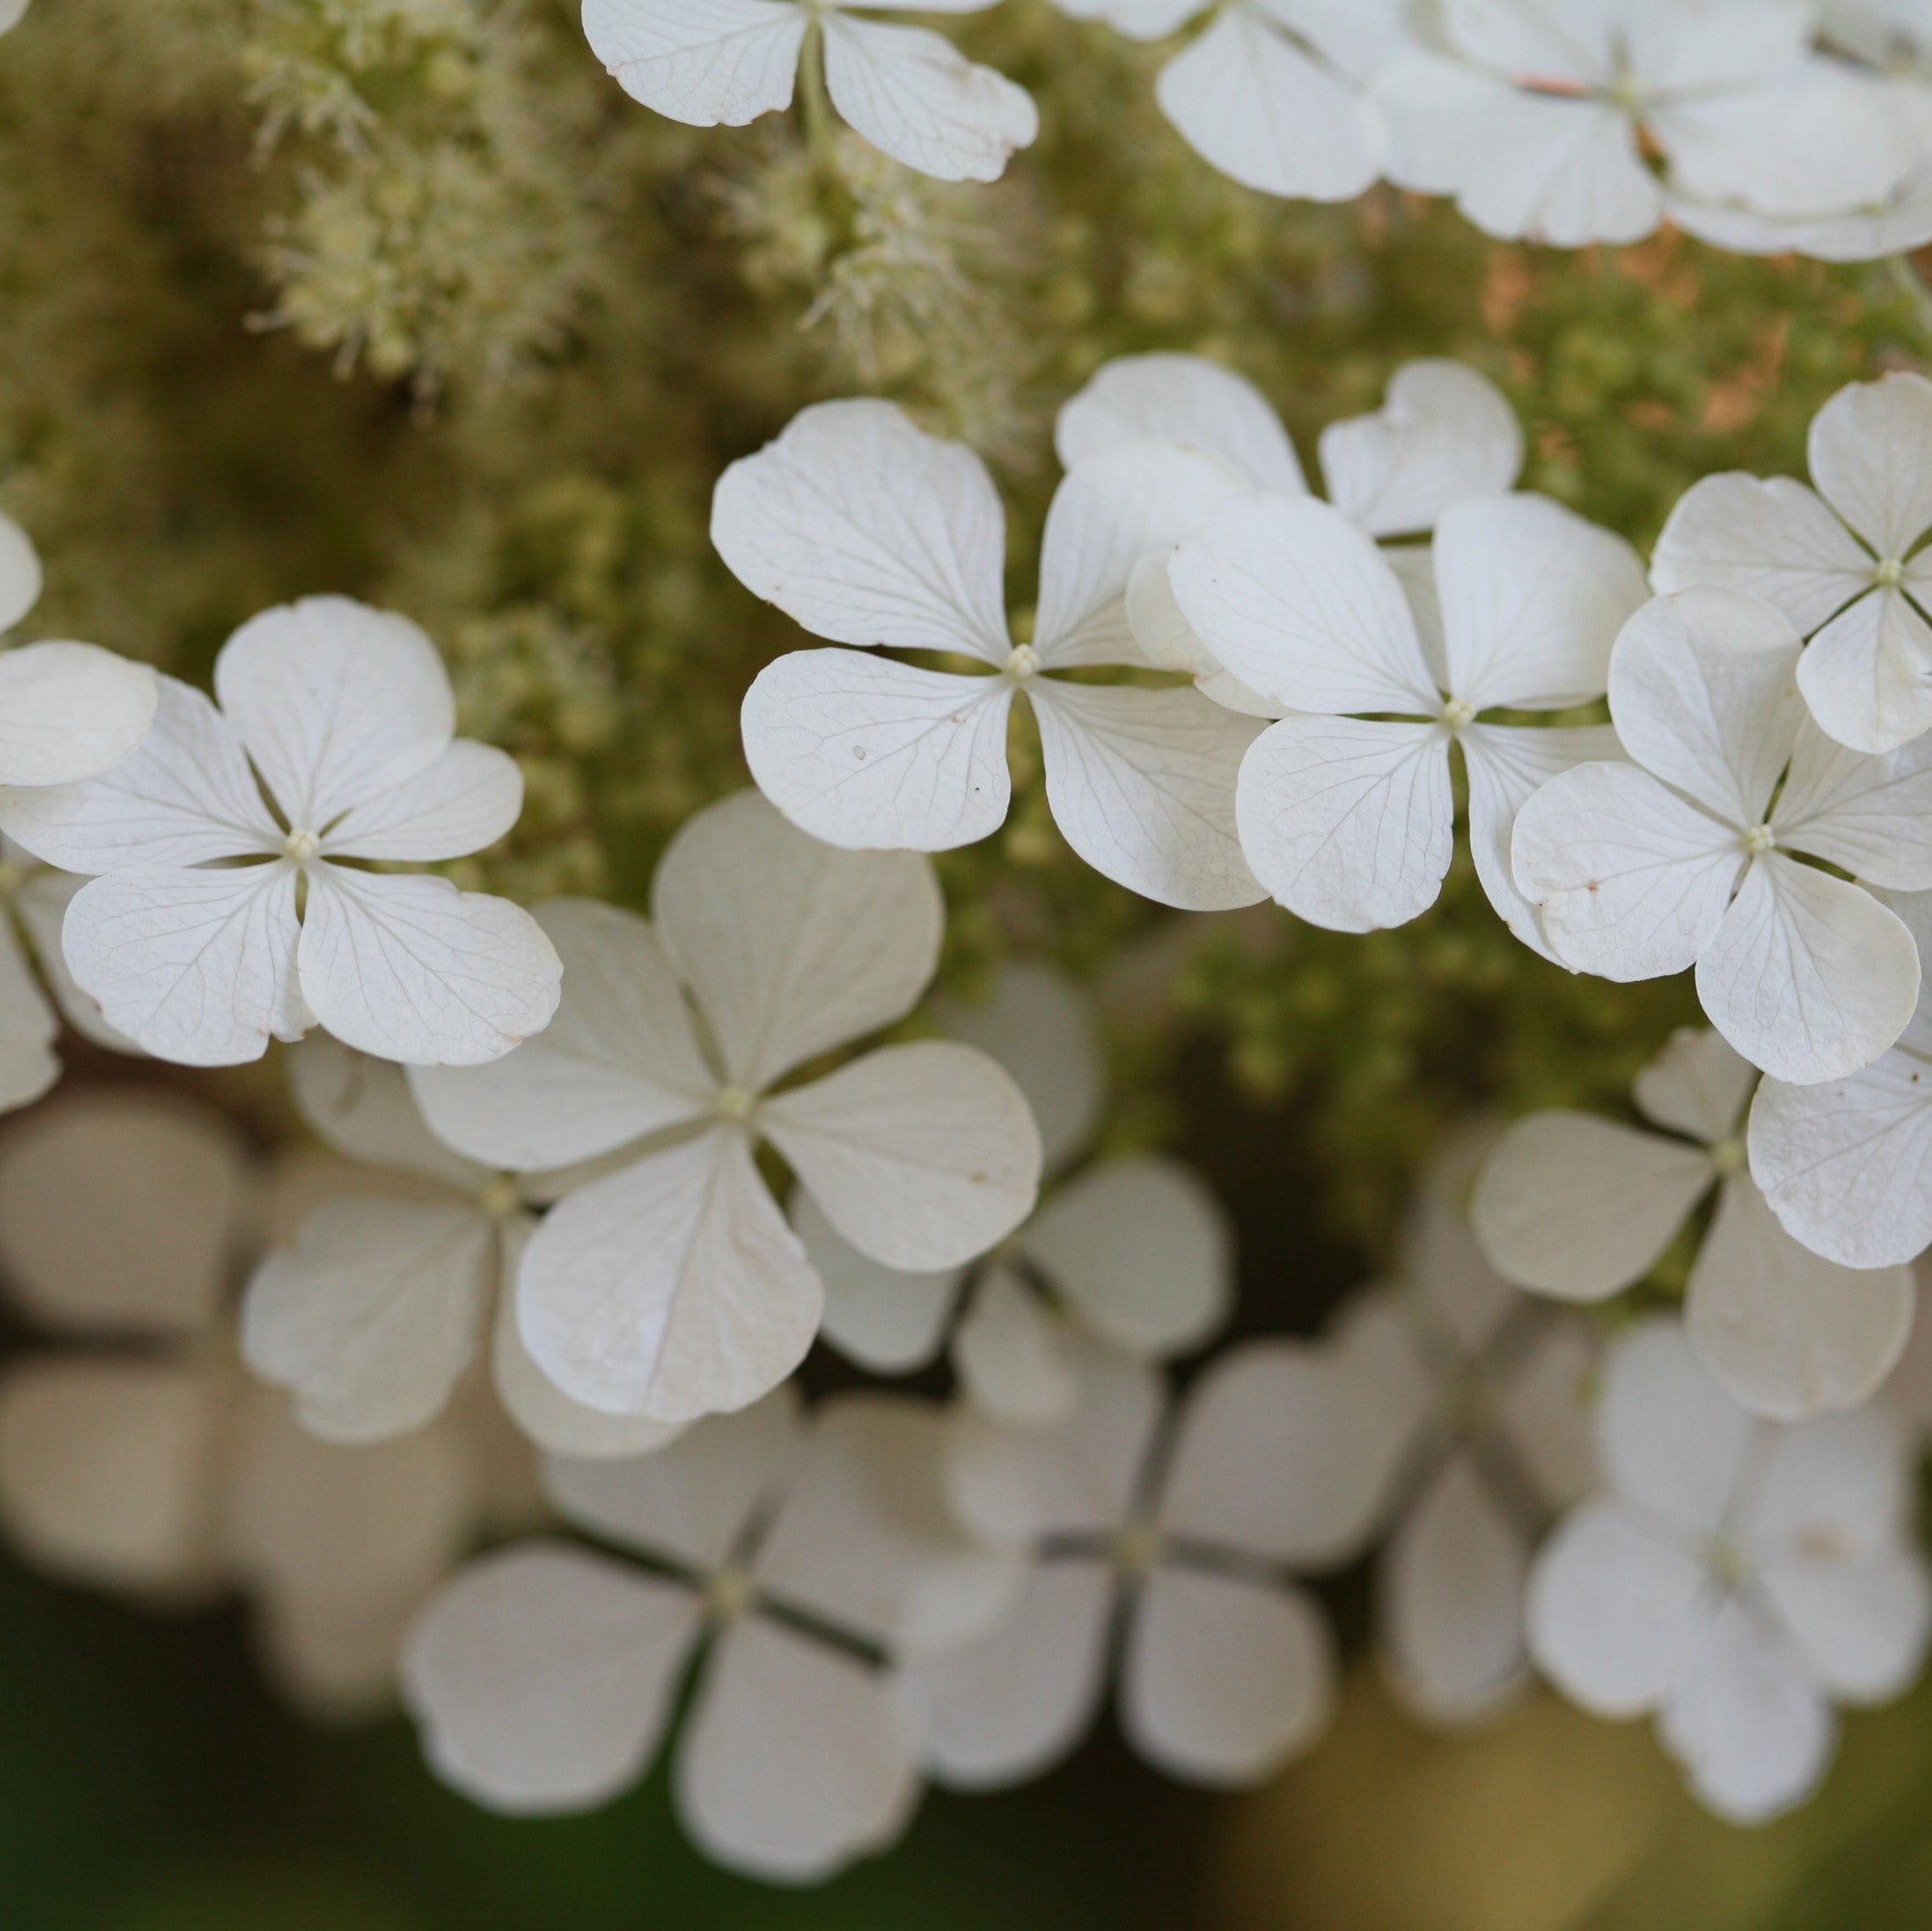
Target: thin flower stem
1911, 283
815, 102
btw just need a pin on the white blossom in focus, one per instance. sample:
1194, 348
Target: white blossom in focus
671, 1286
1581, 1208
868, 531
342, 715
1695, 853
1132, 1251
1736, 1578
1844, 561
723, 63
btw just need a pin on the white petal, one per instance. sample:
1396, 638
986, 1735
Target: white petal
1302, 607
1008, 1355
1868, 451
20, 580
1862, 1626
363, 1108
1186, 403
333, 1669
1451, 1603
1444, 433
1349, 823
706, 62
335, 703
28, 1028
1142, 785
372, 1314
1575, 43
796, 1760
789, 947
671, 1288
1225, 1680
1809, 976
1772, 539
70, 710
1532, 599
1456, 1293
1612, 1609
543, 1676
1580, 1208
1866, 675
1253, 103
880, 1318
40, 906
186, 796
875, 755
620, 1060
923, 1155
868, 531
195, 966
411, 969
1631, 881
468, 798
1140, 1249
1698, 1085
1543, 1414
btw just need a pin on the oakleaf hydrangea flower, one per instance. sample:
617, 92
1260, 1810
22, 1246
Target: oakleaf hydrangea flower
1345, 806
1542, 117
868, 531
1132, 1251
342, 716
1737, 1578
1843, 561
672, 1286
911, 93
1176, 1539
545, 1676
1581, 1208
1693, 854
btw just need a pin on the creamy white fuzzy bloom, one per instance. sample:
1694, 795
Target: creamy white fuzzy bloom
1580, 1208
1735, 1578
12, 12
723, 63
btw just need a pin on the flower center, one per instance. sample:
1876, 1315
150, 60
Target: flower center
730, 1594
1758, 840
1627, 95
1728, 1155
735, 1103
1137, 1546
1459, 713
1728, 1562
500, 1198
1890, 574
1023, 661
299, 847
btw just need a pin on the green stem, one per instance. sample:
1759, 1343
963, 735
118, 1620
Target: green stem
1913, 285
815, 102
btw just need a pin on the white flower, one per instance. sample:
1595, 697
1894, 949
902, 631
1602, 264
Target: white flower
343, 716
1470, 1405
378, 1307
545, 1676
1347, 819
1270, 93
672, 1286
868, 531
1539, 117
1582, 1208
1132, 1251
148, 1465
1844, 563
909, 93
1177, 1541
1692, 853
11, 14
1737, 1578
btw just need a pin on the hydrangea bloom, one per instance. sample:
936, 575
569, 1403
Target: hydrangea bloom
545, 1675
380, 1306
868, 531
1540, 117
1692, 854
1737, 1578
1581, 1208
723, 63
342, 715
1178, 1540
1844, 561
1132, 1251
672, 1286
1349, 819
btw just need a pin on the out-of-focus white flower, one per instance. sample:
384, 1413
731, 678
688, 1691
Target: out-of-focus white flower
1737, 1578
1581, 1208
1179, 1537
378, 1307
672, 1287
544, 1676
1349, 819
1844, 563
1542, 117
343, 716
1692, 853
869, 531
11, 14
723, 63
1132, 1251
